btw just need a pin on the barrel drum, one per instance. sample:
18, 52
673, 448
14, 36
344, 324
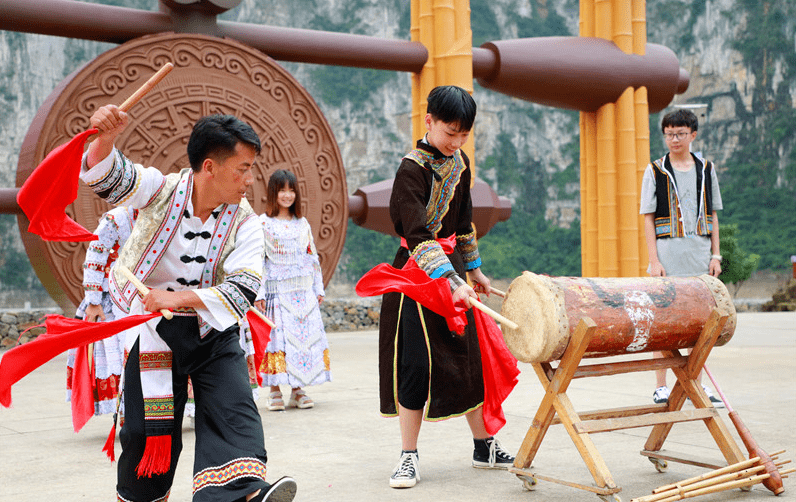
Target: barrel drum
632, 314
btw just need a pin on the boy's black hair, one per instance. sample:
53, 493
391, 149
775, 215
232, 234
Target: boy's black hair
280, 179
216, 136
680, 118
452, 105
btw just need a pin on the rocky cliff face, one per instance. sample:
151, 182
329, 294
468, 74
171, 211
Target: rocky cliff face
740, 54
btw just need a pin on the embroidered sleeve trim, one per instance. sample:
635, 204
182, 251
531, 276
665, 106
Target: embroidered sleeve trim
232, 298
468, 246
431, 258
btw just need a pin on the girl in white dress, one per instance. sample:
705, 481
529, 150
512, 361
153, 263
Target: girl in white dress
292, 291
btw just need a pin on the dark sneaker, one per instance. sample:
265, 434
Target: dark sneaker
282, 491
407, 472
491, 455
661, 395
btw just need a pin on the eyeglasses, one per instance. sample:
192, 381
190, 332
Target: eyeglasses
679, 135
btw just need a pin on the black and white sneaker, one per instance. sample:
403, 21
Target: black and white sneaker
283, 490
661, 395
407, 472
489, 454
716, 402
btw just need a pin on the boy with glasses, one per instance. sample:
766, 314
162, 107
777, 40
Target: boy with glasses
679, 199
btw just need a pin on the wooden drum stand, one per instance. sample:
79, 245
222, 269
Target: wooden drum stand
661, 416
587, 339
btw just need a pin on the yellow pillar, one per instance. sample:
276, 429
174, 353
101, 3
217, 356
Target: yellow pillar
588, 184
642, 118
588, 166
607, 216
443, 27
627, 189
613, 142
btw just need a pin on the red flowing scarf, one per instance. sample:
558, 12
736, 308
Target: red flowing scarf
62, 334
498, 365
411, 280
50, 188
82, 388
261, 335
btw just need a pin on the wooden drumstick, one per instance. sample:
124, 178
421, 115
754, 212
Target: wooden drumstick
141, 91
148, 85
498, 292
262, 316
491, 313
141, 288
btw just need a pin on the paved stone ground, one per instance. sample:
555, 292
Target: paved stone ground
342, 450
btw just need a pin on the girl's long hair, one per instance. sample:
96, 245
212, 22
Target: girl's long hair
278, 180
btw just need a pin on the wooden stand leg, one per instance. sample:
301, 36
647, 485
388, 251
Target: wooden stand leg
557, 401
553, 387
687, 385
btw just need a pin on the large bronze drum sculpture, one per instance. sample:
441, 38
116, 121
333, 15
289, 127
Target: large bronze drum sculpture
211, 75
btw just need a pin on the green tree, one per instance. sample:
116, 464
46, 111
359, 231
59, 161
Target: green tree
363, 250
736, 266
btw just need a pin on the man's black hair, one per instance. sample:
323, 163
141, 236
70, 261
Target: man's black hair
452, 105
216, 136
680, 118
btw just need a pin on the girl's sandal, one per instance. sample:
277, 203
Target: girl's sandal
275, 402
300, 400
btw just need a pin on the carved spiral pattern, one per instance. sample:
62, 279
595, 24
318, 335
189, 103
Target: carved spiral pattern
211, 75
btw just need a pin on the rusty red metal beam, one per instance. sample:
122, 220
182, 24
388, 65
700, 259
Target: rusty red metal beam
88, 21
106, 23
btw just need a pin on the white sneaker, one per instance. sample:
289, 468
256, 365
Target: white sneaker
661, 395
717, 403
407, 472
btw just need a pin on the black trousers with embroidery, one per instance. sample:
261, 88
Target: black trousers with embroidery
230, 457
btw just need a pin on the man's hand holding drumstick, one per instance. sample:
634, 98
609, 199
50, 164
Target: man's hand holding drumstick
111, 120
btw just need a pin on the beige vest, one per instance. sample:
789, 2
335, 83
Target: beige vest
157, 225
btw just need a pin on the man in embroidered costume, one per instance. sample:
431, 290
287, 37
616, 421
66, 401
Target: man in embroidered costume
679, 199
199, 246
426, 371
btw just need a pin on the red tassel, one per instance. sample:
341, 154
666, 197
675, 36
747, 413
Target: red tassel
110, 443
157, 457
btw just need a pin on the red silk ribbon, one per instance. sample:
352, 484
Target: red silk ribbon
62, 334
50, 188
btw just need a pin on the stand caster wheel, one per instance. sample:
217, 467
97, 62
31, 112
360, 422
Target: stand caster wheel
660, 465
